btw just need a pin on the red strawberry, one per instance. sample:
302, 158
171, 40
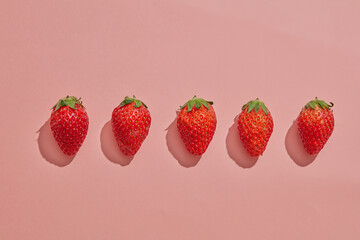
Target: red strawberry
255, 126
69, 124
130, 123
315, 123
197, 125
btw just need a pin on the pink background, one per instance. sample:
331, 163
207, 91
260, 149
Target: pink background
164, 52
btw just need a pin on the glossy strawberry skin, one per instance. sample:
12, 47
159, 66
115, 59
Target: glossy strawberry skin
197, 128
315, 128
130, 126
69, 127
255, 129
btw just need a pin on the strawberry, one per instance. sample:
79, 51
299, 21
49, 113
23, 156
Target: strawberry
196, 123
315, 124
255, 126
69, 124
130, 123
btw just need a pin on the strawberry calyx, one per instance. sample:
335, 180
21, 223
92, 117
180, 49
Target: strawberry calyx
320, 103
255, 105
197, 102
68, 101
127, 100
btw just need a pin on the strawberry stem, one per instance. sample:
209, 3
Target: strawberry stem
255, 105
127, 100
312, 104
197, 102
68, 101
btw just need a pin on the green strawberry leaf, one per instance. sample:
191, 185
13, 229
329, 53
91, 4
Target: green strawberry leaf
138, 103
126, 102
203, 102
68, 101
312, 105
245, 105
190, 105
72, 104
251, 106
257, 107
181, 107
144, 104
197, 104
58, 105
263, 107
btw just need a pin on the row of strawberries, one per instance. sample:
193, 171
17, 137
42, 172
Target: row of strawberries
196, 123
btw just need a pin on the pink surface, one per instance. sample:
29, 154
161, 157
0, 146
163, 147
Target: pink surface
164, 52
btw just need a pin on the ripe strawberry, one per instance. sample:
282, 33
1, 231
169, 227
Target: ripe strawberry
315, 123
255, 126
197, 125
130, 123
69, 124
